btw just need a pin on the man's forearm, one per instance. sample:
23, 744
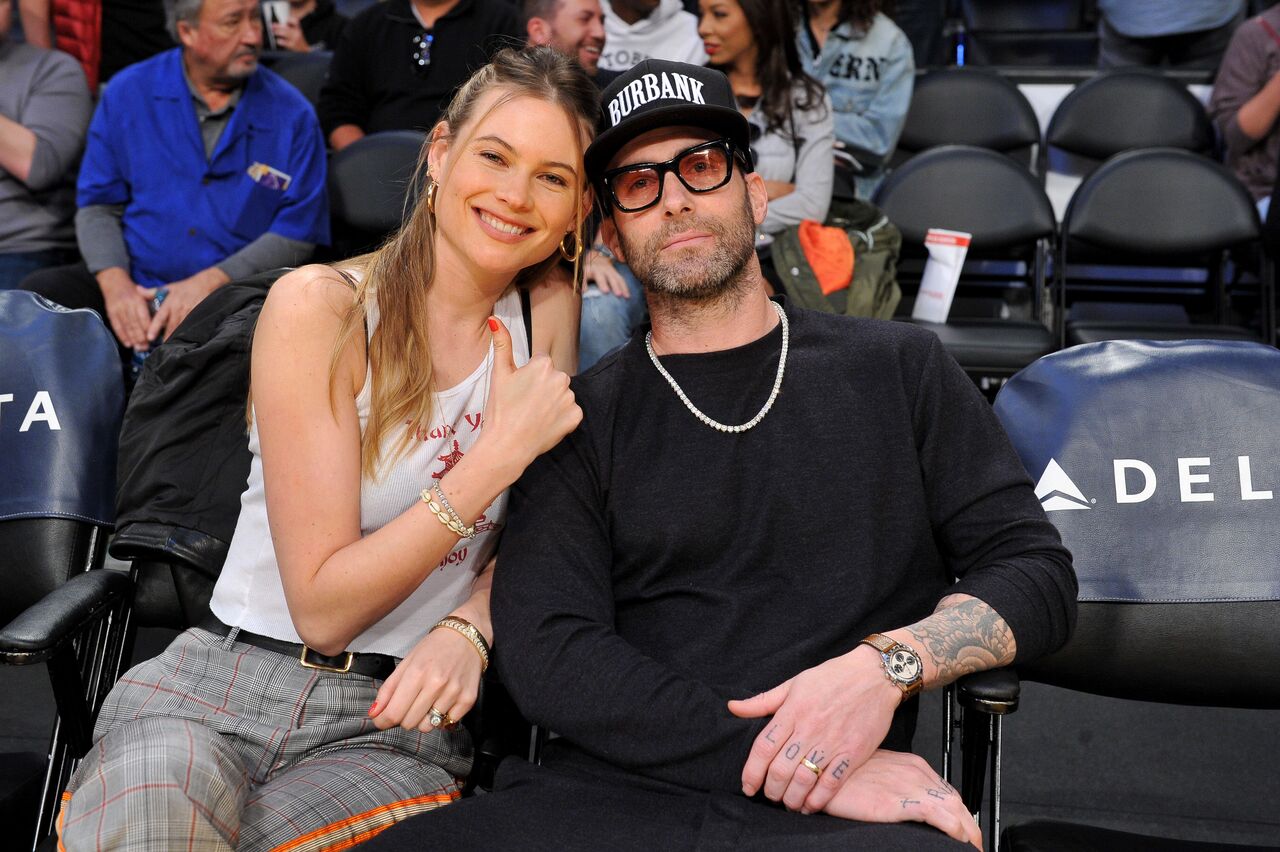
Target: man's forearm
17, 148
269, 251
100, 237
1258, 114
962, 636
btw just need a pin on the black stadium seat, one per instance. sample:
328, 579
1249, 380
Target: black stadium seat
1162, 209
369, 179
1172, 522
1005, 209
368, 188
306, 71
969, 106
1029, 33
1125, 110
63, 398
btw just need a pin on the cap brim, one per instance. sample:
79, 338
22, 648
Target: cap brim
721, 122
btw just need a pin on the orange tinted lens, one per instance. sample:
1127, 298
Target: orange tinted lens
705, 169
636, 188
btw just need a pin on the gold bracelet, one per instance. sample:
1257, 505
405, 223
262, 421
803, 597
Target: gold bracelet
467, 629
469, 531
443, 517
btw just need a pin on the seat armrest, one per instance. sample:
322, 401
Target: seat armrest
153, 542
994, 692
39, 630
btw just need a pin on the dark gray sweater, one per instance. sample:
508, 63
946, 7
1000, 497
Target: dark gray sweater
653, 568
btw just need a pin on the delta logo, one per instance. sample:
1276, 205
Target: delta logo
1136, 481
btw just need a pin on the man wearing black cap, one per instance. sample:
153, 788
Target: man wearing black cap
753, 490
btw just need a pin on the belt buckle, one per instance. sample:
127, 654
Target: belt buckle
307, 664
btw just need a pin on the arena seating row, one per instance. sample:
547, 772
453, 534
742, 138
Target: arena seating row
1222, 398
1162, 210
1031, 33
1041, 33
1109, 113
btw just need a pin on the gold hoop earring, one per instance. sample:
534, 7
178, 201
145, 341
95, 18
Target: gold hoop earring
431, 197
571, 256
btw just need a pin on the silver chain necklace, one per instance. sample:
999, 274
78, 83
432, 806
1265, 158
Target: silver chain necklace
715, 424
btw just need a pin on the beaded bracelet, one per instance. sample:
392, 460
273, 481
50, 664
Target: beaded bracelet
453, 513
443, 517
469, 630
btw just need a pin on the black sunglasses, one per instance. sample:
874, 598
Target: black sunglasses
703, 168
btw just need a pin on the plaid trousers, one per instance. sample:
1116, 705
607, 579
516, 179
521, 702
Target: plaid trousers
218, 745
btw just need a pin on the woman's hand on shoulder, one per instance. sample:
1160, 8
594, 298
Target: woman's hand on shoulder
442, 672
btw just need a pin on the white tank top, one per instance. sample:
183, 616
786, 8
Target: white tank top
249, 593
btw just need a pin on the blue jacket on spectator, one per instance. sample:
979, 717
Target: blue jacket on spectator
869, 77
184, 212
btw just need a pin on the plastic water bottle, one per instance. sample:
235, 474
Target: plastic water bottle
139, 358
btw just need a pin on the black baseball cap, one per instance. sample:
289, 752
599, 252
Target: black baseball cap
657, 93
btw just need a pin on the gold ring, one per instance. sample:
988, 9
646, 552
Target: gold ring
811, 766
435, 718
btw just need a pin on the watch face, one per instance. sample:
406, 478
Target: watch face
905, 665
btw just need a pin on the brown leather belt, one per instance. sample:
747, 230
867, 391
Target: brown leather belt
376, 666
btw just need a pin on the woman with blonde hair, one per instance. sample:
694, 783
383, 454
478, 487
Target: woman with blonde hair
394, 402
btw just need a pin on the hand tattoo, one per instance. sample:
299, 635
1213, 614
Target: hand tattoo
769, 734
906, 802
817, 756
841, 768
793, 751
964, 635
937, 794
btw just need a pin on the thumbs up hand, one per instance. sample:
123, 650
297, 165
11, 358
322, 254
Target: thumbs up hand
530, 408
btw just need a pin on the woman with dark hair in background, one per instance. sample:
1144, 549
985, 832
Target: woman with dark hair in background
753, 43
865, 62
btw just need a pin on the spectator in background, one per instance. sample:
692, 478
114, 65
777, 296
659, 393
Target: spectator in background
312, 25
865, 62
636, 30
1246, 104
753, 43
1160, 33
612, 301
399, 61
573, 27
200, 168
44, 113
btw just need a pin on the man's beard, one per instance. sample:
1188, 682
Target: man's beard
690, 274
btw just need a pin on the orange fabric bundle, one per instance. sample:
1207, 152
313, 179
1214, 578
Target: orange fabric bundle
830, 255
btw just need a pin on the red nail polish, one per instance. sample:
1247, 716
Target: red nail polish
493, 324
373, 709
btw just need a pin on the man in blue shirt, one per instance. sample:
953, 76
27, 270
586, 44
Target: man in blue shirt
200, 168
